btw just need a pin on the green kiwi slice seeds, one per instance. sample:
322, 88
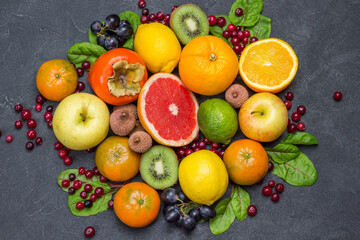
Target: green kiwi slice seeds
188, 22
159, 167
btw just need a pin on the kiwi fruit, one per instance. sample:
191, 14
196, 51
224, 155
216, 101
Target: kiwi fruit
188, 22
159, 167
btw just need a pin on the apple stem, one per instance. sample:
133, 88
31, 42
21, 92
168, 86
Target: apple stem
262, 113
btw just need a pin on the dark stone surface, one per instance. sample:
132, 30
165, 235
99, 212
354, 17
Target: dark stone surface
325, 36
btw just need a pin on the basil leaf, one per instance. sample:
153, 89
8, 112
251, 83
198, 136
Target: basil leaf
262, 29
85, 51
240, 201
100, 205
283, 152
225, 216
93, 36
251, 12
217, 30
129, 44
65, 175
132, 18
300, 138
297, 172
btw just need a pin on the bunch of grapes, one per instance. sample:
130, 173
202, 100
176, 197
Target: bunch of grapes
113, 33
178, 209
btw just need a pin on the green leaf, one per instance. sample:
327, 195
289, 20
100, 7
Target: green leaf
92, 36
251, 12
129, 44
240, 201
300, 138
262, 29
100, 205
225, 216
297, 172
65, 175
283, 152
217, 30
132, 18
81, 52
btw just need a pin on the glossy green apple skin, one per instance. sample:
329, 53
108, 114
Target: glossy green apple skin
263, 117
81, 121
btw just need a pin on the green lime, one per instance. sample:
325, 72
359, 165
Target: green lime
217, 120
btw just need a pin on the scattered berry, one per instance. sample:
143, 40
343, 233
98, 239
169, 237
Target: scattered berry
266, 191
231, 27
90, 231
58, 145
160, 15
90, 150
271, 183
40, 99
292, 128
77, 184
65, 183
226, 34
246, 33
180, 152
80, 71
9, 138
300, 126
93, 197
240, 34
174, 8
235, 41
48, 116
96, 171
197, 149
145, 11
295, 116
144, 19
99, 191
201, 144
79, 205
188, 152
88, 188
81, 170
239, 12
26, 114
260, 182
252, 210
337, 96
288, 104
271, 166
152, 17
212, 20
18, 107
193, 145
221, 153
111, 204
214, 150
279, 187
29, 146
31, 134
289, 96
103, 179
253, 39
38, 107
275, 197
207, 141
49, 124
234, 34
301, 109
237, 48
62, 153
141, 3
221, 21
71, 190
83, 194
31, 123
245, 40
18, 124
85, 64
38, 141
89, 174
67, 160
88, 204
72, 177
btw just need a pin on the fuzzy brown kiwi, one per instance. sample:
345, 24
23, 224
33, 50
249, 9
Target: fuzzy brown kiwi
122, 122
140, 141
236, 95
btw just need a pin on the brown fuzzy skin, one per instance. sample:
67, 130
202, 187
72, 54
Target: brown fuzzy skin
131, 107
236, 95
140, 141
122, 122
138, 127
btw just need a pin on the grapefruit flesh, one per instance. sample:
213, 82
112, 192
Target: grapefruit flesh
168, 110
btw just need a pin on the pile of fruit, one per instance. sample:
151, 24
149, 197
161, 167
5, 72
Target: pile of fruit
157, 120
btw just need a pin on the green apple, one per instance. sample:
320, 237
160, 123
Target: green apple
81, 121
263, 117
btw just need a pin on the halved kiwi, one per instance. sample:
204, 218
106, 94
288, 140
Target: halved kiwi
188, 22
159, 167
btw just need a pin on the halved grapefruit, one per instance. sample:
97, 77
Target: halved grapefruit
168, 110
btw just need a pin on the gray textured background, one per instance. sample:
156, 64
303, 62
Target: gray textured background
325, 36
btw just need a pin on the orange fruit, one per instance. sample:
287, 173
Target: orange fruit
56, 79
115, 160
246, 162
268, 65
168, 110
137, 204
208, 65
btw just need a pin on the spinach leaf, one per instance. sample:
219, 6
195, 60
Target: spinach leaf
217, 30
251, 15
92, 36
132, 18
298, 172
81, 52
283, 152
240, 201
225, 216
262, 29
65, 175
100, 205
300, 138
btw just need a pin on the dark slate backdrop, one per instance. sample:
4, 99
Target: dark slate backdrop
324, 34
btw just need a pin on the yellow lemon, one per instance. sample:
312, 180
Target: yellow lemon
203, 177
158, 45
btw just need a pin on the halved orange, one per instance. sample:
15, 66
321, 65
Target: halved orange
268, 65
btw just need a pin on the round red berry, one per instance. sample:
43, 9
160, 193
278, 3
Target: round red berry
31, 134
292, 128
67, 160
295, 116
99, 191
174, 8
93, 197
31, 123
237, 48
65, 183
38, 141
89, 174
48, 116
77, 184
214, 150
212, 20
252, 210
271, 167
253, 39
144, 19
81, 86
88, 188
90, 231
103, 179
79, 205
18, 107
38, 107
26, 114
246, 33
337, 96
29, 146
81, 170
40, 99
18, 124
80, 71
245, 40
83, 194
289, 96
235, 41
221, 21
231, 27
275, 197
111, 204
160, 15
266, 191
279, 187
301, 109
152, 17
288, 104
141, 3
226, 34
9, 138
58, 145
271, 183
300, 126
239, 12
240, 34
62, 153
85, 64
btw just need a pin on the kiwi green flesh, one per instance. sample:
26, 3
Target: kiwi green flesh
159, 167
189, 22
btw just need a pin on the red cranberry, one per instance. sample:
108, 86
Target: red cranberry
167, 17
198, 138
231, 27
215, 145
275, 197
68, 149
295, 116
197, 149
214, 150
88, 188
49, 124
90, 150
180, 152
164, 22
58, 145
240, 34
80, 71
266, 191
193, 145
111, 204
221, 153
288, 104
212, 20
103, 179
301, 109
237, 48
226, 34
271, 183
81, 170
221, 21
245, 40
29, 146
202, 144
289, 96
38, 107
99, 191
207, 141
174, 8
145, 11
48, 116
160, 15
49, 108
144, 19
31, 134
26, 114
234, 34
77, 91
292, 128
62, 153
235, 41
141, 3
71, 190
79, 205
65, 183
279, 187
238, 28
337, 96
260, 182
85, 64
9, 138
67, 160
96, 171
72, 177
246, 33
31, 123
188, 152
185, 147
93, 197
73, 64
253, 39
18, 124
252, 210
38, 141
90, 231
300, 126
242, 46
40, 99
239, 12
18, 107
77, 184
271, 166
83, 194
152, 17
89, 174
